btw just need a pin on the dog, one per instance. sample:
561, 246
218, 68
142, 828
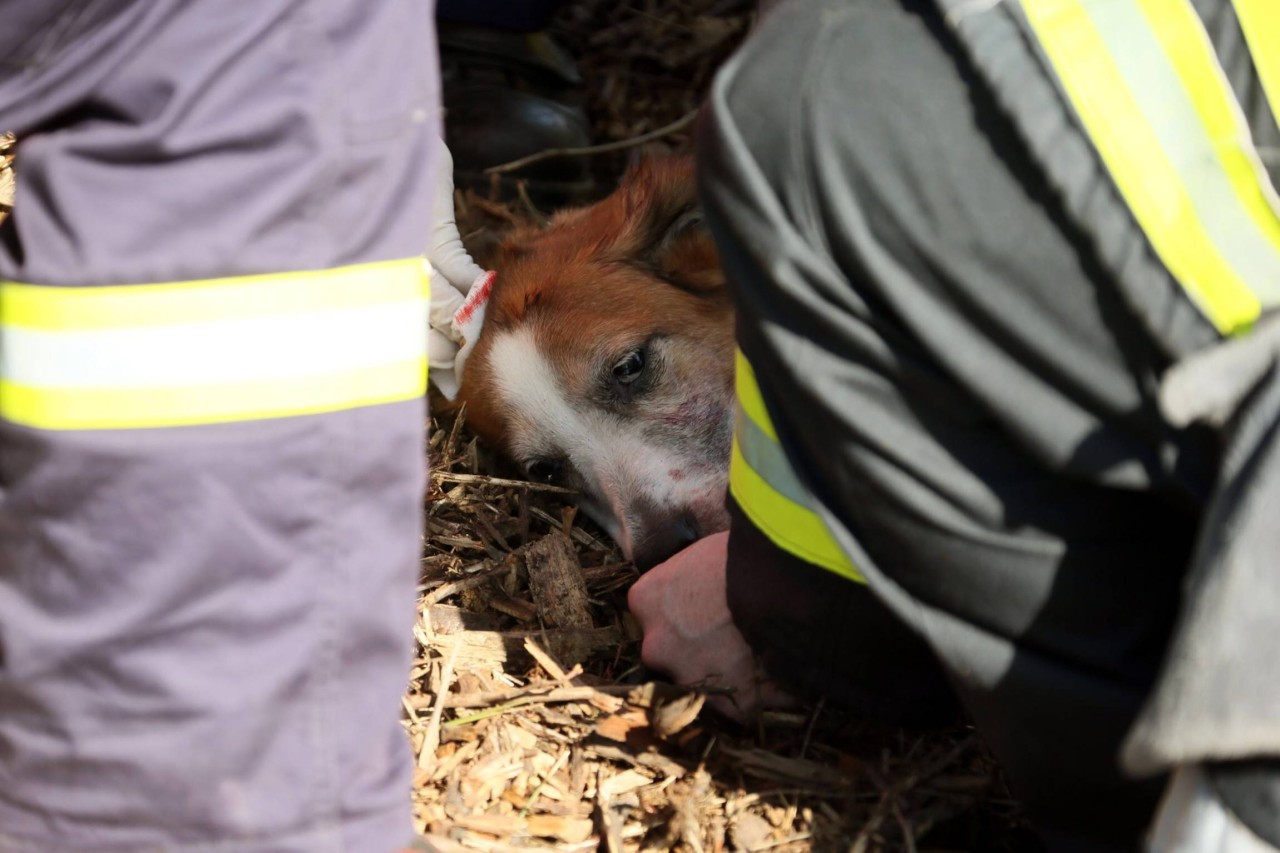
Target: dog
605, 361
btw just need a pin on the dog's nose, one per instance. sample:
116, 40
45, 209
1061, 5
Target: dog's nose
664, 537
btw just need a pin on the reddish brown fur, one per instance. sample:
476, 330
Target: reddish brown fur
633, 279
590, 278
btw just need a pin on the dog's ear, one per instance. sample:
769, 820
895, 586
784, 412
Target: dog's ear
664, 228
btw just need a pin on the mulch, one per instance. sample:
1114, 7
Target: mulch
535, 726
534, 723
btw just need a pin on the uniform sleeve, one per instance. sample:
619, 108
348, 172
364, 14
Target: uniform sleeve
1219, 688
823, 635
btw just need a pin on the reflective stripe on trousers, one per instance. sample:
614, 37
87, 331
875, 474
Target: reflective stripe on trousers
215, 351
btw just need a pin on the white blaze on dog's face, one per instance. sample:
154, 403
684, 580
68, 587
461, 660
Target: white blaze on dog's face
606, 362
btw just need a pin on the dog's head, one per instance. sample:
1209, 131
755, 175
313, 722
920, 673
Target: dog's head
606, 361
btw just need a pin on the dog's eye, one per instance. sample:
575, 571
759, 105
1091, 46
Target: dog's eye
545, 470
629, 368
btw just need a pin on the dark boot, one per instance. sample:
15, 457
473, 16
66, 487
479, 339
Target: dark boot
508, 95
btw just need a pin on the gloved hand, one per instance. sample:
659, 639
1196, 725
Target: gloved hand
454, 318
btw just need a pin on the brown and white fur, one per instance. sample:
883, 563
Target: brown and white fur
606, 361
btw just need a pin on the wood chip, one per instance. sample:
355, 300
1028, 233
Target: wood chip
618, 727
556, 583
674, 716
571, 830
622, 783
750, 831
545, 660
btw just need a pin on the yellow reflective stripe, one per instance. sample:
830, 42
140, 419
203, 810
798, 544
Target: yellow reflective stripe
187, 405
1260, 20
1142, 77
356, 337
130, 306
749, 395
775, 509
792, 527
1181, 33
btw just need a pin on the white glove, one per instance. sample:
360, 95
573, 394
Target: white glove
448, 256
454, 275
455, 328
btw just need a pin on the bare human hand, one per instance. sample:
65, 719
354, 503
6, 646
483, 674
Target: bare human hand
689, 632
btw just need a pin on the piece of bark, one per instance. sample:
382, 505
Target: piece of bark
556, 583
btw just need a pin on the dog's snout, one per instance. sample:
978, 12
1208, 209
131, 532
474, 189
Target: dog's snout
663, 537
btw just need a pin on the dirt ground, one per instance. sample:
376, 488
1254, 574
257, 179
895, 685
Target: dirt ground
534, 722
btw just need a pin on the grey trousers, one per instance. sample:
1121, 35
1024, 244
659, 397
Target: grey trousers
205, 629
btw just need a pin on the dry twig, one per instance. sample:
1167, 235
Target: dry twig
603, 148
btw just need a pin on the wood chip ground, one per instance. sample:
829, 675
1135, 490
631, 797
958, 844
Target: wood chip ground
533, 724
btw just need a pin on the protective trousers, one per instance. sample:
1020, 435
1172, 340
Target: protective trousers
957, 335
212, 364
